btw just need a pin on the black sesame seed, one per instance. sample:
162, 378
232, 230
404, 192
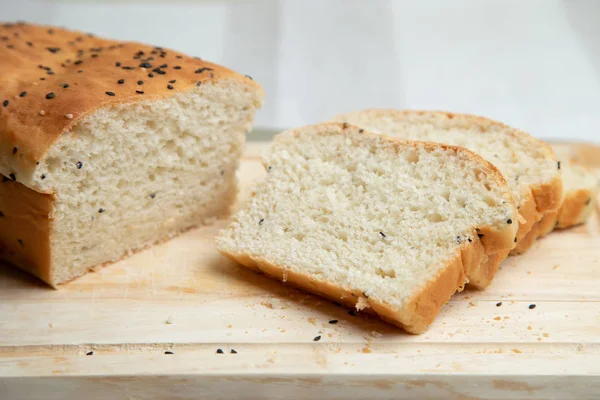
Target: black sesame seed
382, 235
178, 57
43, 176
50, 95
50, 72
515, 239
145, 65
101, 210
10, 46
22, 94
361, 130
15, 149
29, 44
51, 31
199, 83
219, 351
469, 239
163, 66
128, 68
140, 82
110, 93
150, 75
1, 214
479, 235
509, 221
173, 81
261, 221
89, 353
12, 176
170, 87
53, 50
21, 242
249, 77
345, 125
317, 338
78, 62
531, 306
233, 351
333, 321
177, 67
588, 201
65, 85
152, 195
121, 81
42, 79
79, 165
139, 91
168, 352
159, 71
117, 64
5, 179
498, 304
80, 71
558, 165
5, 103
201, 70
352, 312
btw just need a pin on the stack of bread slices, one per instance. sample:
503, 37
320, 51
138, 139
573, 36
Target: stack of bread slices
392, 212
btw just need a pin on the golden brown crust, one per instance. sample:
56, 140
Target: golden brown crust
25, 218
419, 311
90, 67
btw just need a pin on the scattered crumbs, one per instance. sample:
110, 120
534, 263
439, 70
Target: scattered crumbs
267, 304
366, 350
507, 317
284, 277
50, 325
376, 334
471, 304
229, 326
169, 352
545, 335
529, 328
539, 339
531, 306
89, 353
219, 351
497, 318
169, 321
498, 304
329, 335
437, 365
516, 351
361, 303
418, 350
69, 116
317, 338
555, 267
312, 320
333, 321
42, 112
528, 272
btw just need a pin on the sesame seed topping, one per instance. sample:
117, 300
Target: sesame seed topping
498, 304
78, 62
170, 87
509, 221
531, 306
168, 352
249, 77
65, 85
5, 103
219, 351
79, 164
139, 91
172, 81
145, 65
199, 83
558, 164
317, 338
177, 67
479, 235
42, 112
89, 353
382, 235
15, 149
22, 94
333, 321
12, 176
69, 116
152, 195
261, 221
53, 50
101, 210
201, 70
50, 96
117, 64
140, 82
110, 93
361, 130
121, 81
233, 351
43, 176
151, 75
515, 239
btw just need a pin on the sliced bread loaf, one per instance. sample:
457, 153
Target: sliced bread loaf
373, 222
107, 147
529, 165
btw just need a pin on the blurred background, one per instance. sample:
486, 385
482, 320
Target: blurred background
533, 64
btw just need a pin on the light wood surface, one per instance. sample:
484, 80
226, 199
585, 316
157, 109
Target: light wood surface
183, 297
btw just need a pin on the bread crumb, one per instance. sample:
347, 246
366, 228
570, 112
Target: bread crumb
361, 303
312, 320
42, 112
50, 325
529, 328
169, 321
498, 318
471, 304
285, 276
545, 335
366, 350
555, 267
267, 304
376, 334
528, 272
517, 351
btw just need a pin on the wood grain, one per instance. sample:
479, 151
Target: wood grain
183, 297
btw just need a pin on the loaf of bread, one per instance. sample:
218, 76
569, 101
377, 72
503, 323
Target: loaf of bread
108, 147
529, 165
388, 226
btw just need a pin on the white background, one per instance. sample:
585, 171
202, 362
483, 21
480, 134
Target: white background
534, 64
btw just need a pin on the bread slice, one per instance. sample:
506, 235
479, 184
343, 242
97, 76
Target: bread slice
372, 222
529, 165
108, 147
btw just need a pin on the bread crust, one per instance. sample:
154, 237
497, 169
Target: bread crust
33, 52
420, 310
534, 205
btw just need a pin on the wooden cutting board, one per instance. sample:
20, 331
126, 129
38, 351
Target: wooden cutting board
182, 297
